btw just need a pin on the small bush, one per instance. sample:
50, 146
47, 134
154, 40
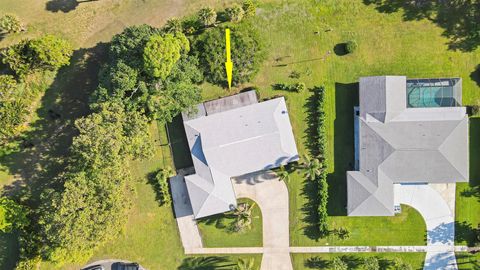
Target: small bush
296, 87
475, 110
234, 13
295, 75
249, 7
351, 46
10, 24
342, 233
173, 25
162, 179
371, 263
398, 264
207, 16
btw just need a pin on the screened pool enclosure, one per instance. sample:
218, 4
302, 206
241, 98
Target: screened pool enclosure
427, 93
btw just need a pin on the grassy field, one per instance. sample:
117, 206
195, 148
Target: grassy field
302, 36
215, 230
388, 44
86, 23
354, 260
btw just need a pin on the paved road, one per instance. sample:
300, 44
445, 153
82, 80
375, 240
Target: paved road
271, 195
107, 264
439, 218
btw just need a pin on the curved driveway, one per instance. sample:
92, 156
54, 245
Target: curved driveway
271, 195
439, 218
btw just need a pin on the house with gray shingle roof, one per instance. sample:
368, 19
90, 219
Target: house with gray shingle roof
230, 137
407, 131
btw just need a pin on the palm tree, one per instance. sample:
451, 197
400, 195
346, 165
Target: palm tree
339, 264
245, 264
243, 217
283, 174
313, 167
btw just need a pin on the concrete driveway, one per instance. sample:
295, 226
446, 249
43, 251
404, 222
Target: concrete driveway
271, 195
436, 204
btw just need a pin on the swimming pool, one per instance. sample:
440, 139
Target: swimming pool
427, 93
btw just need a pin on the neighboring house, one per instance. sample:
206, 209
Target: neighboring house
406, 132
230, 137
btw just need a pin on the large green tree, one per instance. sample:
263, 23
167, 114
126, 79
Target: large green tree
94, 203
162, 86
45, 53
128, 46
12, 215
161, 53
247, 53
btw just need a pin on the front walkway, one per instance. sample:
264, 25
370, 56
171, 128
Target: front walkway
436, 204
271, 195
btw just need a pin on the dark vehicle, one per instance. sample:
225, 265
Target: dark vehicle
94, 267
125, 266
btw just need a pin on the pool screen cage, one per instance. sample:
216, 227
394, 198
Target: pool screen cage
443, 92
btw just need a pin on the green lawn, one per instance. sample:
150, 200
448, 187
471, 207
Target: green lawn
467, 261
301, 36
468, 194
216, 232
354, 260
151, 236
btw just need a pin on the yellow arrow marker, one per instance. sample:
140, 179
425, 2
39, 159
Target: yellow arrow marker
229, 63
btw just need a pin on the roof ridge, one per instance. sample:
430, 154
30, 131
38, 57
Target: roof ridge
444, 143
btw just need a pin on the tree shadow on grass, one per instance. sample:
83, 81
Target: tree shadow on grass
316, 263
459, 19
64, 6
9, 250
310, 188
37, 164
464, 231
206, 263
474, 182
475, 75
346, 97
467, 261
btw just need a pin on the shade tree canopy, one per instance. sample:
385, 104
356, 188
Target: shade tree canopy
247, 53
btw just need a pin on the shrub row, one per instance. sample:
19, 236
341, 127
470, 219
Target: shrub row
320, 144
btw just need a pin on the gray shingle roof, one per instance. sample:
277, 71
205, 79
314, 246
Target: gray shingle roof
233, 143
411, 145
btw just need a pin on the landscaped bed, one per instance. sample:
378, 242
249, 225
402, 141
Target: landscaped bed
355, 260
217, 231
